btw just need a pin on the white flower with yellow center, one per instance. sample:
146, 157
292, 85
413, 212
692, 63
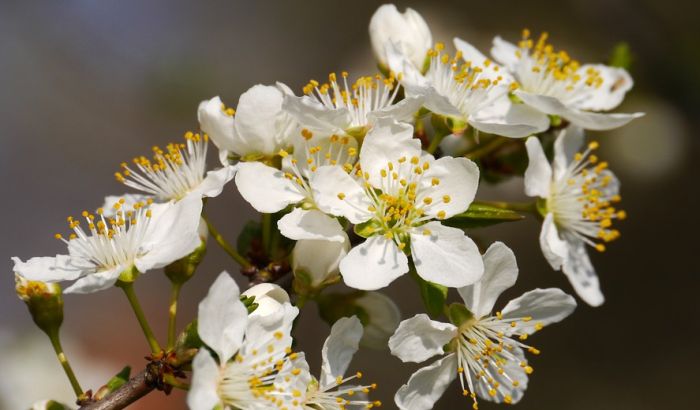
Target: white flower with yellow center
149, 236
339, 108
485, 351
407, 31
175, 173
579, 194
395, 194
269, 189
251, 351
553, 83
470, 93
301, 390
257, 128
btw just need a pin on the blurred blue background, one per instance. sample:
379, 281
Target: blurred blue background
85, 85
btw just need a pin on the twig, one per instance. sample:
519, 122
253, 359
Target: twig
137, 387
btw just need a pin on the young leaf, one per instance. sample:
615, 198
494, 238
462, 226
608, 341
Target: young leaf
433, 295
479, 215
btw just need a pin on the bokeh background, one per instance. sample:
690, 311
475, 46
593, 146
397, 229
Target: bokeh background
85, 85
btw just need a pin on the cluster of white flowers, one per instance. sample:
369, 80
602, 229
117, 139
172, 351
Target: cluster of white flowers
361, 193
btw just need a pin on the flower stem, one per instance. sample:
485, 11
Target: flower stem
512, 206
56, 343
172, 313
435, 142
487, 148
225, 245
128, 288
173, 381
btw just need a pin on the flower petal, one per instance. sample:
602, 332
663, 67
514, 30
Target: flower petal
584, 119
320, 259
330, 183
445, 255
555, 249
544, 306
513, 373
581, 273
222, 318
47, 268
538, 175
387, 141
310, 113
505, 118
426, 386
383, 319
418, 339
373, 264
457, 181
500, 273
616, 83
213, 183
265, 188
94, 282
129, 201
505, 53
401, 111
311, 224
408, 30
257, 122
268, 296
568, 142
218, 125
339, 348
203, 393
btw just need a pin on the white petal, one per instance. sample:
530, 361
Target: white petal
173, 232
400, 64
373, 264
265, 188
310, 113
554, 249
505, 53
328, 182
129, 201
383, 319
433, 100
222, 318
588, 120
512, 372
402, 111
47, 268
544, 306
418, 339
538, 175
568, 142
268, 296
500, 273
505, 118
94, 282
579, 269
616, 83
408, 30
219, 126
262, 332
205, 382
426, 386
311, 224
258, 115
339, 348
445, 255
458, 179
387, 141
213, 183
320, 259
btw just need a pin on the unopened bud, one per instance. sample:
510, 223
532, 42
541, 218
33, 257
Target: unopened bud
183, 269
44, 301
264, 299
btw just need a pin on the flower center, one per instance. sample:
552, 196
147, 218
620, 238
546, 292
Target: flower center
582, 199
367, 94
544, 70
336, 395
109, 242
466, 86
487, 354
172, 173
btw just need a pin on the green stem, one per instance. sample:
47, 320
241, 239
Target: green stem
172, 313
266, 231
225, 245
512, 206
489, 147
173, 381
435, 141
128, 288
56, 343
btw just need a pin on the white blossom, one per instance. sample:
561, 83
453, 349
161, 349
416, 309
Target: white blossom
407, 31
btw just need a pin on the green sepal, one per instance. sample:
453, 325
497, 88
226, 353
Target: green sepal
458, 314
555, 120
249, 303
113, 384
432, 294
183, 269
188, 343
367, 229
129, 275
541, 206
481, 215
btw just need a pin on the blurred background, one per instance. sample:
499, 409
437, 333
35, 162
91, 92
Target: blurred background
85, 85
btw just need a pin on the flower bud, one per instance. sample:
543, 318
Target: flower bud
268, 297
183, 269
315, 263
408, 31
44, 301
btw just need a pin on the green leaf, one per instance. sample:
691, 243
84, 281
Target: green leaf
433, 295
621, 56
479, 215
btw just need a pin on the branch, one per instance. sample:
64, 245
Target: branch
137, 387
